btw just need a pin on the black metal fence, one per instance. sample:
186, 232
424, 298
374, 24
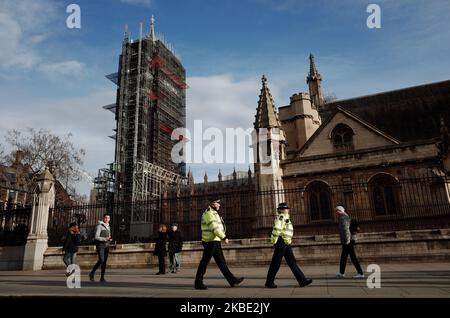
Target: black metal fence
380, 205
14, 225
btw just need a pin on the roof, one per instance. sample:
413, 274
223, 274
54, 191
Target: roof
406, 114
266, 113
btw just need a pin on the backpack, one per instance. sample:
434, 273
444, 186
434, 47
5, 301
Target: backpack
354, 226
90, 234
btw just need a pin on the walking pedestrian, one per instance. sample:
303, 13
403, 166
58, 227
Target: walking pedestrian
213, 232
175, 247
161, 249
71, 245
102, 243
348, 240
281, 237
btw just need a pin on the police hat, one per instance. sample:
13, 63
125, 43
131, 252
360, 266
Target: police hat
283, 206
214, 200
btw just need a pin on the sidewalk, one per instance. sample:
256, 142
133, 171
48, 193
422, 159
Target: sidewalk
397, 280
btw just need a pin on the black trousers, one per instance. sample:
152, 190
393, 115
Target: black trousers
283, 250
213, 249
162, 263
349, 249
102, 253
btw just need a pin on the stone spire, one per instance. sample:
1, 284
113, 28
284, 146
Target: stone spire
314, 81
266, 113
152, 29
313, 73
190, 177
219, 177
190, 182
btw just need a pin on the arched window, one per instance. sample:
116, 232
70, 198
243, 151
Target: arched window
342, 137
319, 200
384, 194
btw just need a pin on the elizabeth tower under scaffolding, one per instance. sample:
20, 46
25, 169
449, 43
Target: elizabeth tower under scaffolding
150, 104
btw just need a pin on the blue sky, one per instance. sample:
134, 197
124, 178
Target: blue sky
53, 77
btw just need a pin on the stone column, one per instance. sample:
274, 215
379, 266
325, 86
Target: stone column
43, 200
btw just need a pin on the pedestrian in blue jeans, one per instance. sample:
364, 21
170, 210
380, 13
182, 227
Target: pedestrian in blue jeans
71, 245
102, 243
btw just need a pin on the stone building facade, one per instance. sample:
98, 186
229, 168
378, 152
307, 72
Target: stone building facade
382, 156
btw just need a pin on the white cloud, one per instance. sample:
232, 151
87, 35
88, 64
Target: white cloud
12, 50
67, 68
223, 101
83, 116
24, 25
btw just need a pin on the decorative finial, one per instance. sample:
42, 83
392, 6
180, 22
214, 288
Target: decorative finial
264, 79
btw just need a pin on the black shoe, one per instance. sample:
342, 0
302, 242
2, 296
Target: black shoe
200, 286
102, 280
237, 281
306, 282
271, 285
91, 277
160, 273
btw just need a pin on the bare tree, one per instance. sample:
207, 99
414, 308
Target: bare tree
41, 147
2, 155
330, 98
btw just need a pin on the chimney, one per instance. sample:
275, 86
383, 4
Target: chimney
19, 157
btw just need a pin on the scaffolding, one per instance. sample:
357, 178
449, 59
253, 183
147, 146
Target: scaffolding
149, 180
150, 106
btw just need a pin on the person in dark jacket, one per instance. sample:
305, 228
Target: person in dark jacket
71, 245
160, 249
102, 243
175, 247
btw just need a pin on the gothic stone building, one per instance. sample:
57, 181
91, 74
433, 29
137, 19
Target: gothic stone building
383, 156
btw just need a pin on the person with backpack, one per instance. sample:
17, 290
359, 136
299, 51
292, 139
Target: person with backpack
347, 235
71, 245
102, 242
160, 249
175, 247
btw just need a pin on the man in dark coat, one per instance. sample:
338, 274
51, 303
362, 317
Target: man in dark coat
175, 247
161, 249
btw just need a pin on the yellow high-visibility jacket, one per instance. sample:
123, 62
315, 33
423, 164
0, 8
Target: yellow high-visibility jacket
282, 226
213, 227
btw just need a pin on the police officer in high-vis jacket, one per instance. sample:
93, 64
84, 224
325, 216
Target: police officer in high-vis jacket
281, 237
213, 232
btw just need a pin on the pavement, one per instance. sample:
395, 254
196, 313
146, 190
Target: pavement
429, 280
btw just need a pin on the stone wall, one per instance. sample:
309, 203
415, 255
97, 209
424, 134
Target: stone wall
11, 258
425, 245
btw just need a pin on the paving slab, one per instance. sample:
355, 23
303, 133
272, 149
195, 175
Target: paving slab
397, 281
